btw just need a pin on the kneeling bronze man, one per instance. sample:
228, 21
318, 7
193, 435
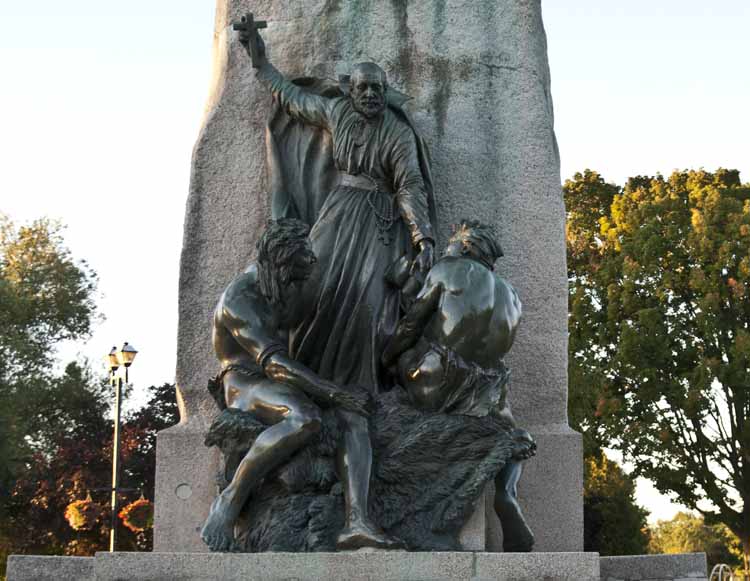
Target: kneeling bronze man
250, 337
448, 352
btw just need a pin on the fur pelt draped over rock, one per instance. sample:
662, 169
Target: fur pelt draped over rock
429, 472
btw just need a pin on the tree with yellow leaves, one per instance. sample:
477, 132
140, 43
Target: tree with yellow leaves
660, 332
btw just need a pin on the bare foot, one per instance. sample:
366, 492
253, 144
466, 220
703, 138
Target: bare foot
218, 530
522, 540
366, 535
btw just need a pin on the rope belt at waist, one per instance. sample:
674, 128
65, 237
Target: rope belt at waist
383, 220
363, 182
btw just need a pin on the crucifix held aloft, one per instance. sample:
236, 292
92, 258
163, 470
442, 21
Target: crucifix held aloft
248, 28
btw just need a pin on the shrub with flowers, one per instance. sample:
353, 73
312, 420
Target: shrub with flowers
138, 516
82, 515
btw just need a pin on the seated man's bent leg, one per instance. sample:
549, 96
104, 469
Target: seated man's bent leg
293, 420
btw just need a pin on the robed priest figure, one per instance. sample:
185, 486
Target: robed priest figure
347, 161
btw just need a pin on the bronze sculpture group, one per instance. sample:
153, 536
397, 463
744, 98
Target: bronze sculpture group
363, 390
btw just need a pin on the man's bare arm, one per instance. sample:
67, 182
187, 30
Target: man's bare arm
283, 369
240, 316
410, 328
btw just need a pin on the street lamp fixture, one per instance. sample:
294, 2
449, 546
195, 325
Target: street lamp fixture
124, 357
112, 361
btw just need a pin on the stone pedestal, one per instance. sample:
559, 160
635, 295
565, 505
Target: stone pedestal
391, 566
478, 74
683, 567
44, 568
551, 489
185, 487
180, 490
473, 536
359, 566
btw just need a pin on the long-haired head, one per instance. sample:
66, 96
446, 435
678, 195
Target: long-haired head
284, 255
472, 238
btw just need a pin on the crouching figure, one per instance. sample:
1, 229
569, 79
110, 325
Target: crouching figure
448, 351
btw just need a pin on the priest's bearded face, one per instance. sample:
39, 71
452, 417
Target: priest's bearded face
367, 89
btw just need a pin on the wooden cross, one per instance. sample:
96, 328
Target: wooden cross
250, 26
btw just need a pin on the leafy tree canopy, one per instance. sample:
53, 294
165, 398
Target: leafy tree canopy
55, 427
75, 461
688, 533
45, 297
613, 523
659, 275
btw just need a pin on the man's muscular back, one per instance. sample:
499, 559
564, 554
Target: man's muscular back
477, 312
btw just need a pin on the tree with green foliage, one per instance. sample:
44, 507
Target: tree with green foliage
55, 427
613, 523
587, 199
689, 533
660, 332
75, 461
45, 297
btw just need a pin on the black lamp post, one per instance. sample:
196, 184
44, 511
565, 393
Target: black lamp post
124, 357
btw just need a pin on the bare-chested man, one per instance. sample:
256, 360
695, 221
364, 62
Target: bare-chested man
449, 349
259, 377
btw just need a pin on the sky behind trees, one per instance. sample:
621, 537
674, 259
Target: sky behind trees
102, 102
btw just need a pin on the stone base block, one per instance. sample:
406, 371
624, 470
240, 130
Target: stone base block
283, 566
43, 568
370, 566
550, 493
358, 566
473, 536
536, 566
551, 489
185, 487
684, 567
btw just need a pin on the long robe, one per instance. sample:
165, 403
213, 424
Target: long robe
313, 139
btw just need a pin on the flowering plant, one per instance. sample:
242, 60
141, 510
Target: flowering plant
138, 515
82, 515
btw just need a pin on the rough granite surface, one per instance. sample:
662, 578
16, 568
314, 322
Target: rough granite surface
536, 567
682, 567
45, 568
393, 566
359, 566
478, 74
283, 566
473, 535
185, 487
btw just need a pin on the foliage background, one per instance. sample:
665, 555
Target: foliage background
55, 423
659, 319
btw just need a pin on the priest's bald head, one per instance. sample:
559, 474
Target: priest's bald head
368, 84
